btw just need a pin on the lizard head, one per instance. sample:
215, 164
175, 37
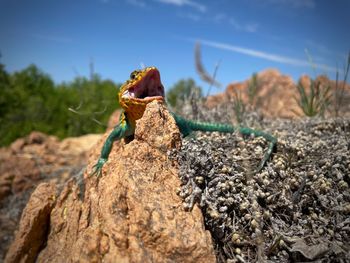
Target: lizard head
143, 87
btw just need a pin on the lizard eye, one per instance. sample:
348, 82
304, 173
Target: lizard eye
133, 74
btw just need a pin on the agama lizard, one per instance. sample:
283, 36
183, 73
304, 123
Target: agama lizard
143, 87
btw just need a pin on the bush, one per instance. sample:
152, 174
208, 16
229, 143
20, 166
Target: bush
183, 91
30, 100
316, 101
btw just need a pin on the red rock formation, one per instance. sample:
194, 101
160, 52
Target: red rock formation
277, 93
130, 214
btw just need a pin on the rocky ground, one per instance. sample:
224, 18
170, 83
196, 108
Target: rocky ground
28, 162
130, 214
296, 209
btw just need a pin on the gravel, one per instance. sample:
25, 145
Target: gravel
295, 209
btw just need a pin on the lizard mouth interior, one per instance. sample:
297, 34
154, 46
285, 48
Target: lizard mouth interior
149, 87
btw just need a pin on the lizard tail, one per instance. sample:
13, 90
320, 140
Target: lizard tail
210, 127
188, 126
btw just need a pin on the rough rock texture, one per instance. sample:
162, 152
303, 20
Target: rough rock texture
34, 226
295, 210
29, 161
275, 95
132, 212
114, 119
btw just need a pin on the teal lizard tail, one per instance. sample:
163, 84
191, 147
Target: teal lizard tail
188, 126
210, 127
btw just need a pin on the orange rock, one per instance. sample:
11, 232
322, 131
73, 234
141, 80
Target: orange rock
34, 226
28, 162
132, 213
277, 93
114, 119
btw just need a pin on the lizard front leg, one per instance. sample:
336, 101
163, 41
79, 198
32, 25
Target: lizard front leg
271, 140
122, 130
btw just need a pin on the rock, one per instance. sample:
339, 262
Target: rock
271, 85
243, 208
114, 119
36, 138
28, 162
132, 212
276, 94
78, 145
31, 159
32, 232
340, 92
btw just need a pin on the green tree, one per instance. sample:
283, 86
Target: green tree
5, 89
30, 100
90, 102
27, 96
182, 91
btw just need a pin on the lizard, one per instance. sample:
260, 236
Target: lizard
145, 86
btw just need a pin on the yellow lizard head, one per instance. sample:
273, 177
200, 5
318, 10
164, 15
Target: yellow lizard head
143, 87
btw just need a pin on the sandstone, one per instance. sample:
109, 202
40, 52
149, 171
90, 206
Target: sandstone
277, 94
131, 213
34, 226
29, 161
114, 119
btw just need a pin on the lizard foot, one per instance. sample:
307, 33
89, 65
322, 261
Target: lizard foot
97, 168
266, 157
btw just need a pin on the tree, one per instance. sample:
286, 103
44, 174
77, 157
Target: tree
182, 91
30, 100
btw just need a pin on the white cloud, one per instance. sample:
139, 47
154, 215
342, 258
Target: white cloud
200, 7
243, 27
315, 47
264, 55
246, 27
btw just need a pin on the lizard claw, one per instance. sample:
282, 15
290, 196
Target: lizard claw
266, 157
97, 168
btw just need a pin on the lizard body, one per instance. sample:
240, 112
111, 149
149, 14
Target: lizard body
143, 87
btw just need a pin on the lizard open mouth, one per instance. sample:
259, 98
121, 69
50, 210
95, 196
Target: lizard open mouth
145, 87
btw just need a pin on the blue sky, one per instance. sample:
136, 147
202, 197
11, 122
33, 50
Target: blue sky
246, 36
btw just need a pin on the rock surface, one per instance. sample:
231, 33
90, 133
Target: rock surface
276, 94
33, 229
270, 215
295, 210
29, 161
131, 213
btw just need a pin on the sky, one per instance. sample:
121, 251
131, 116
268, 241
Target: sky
239, 37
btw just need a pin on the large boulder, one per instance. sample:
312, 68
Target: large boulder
277, 94
130, 214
